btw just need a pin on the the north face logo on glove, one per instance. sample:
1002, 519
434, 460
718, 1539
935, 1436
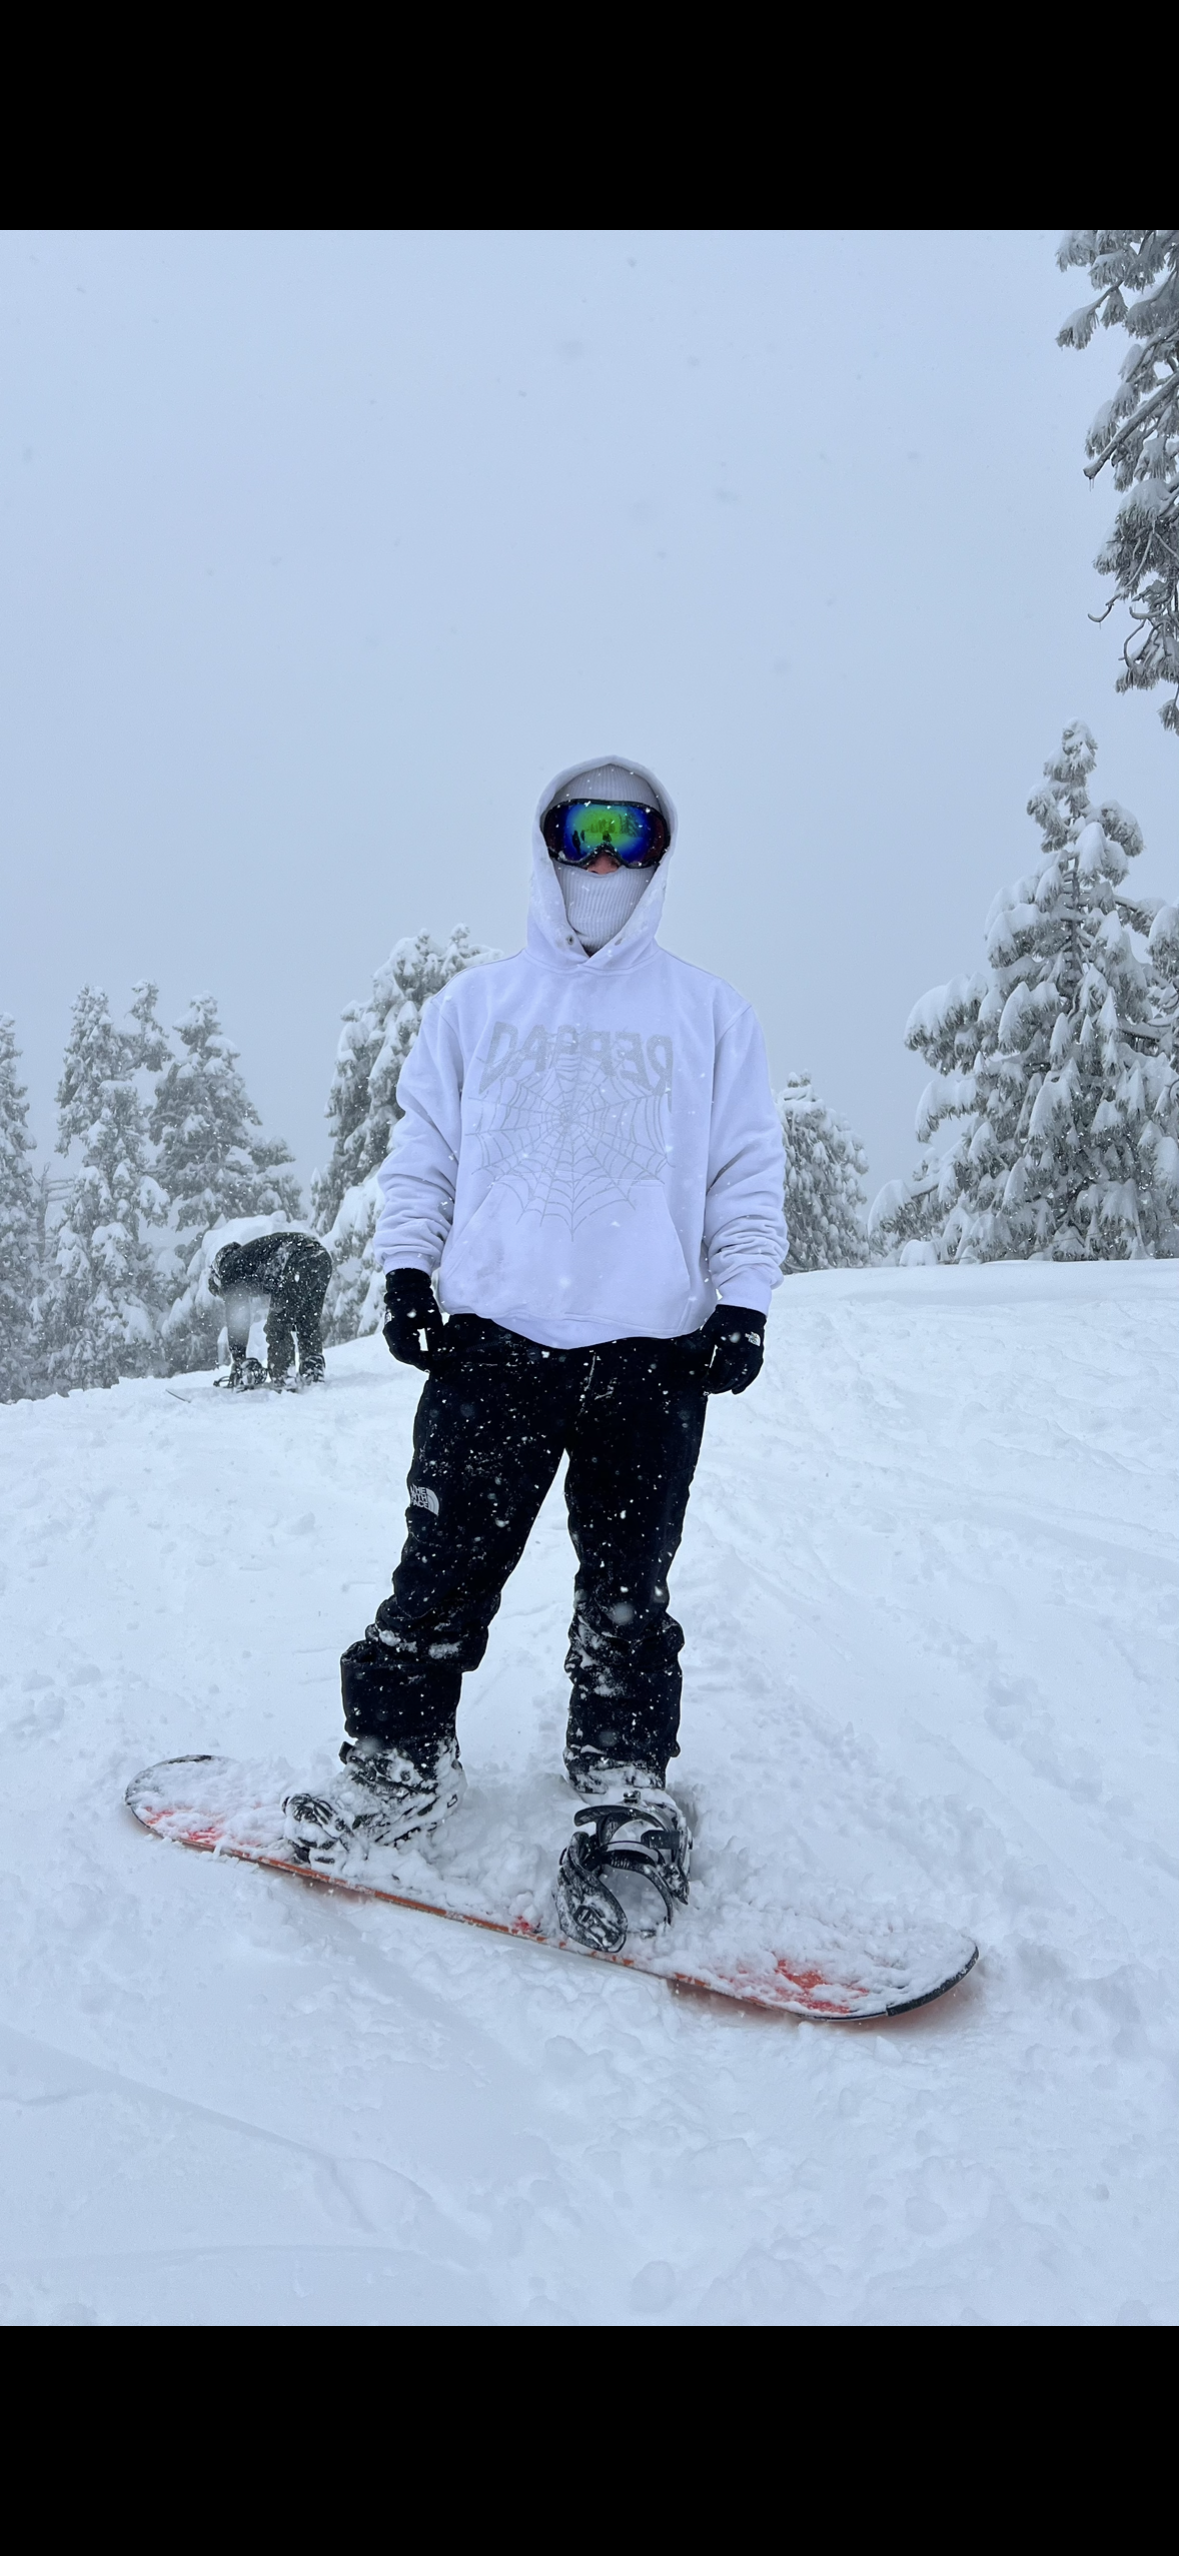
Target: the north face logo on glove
421, 1497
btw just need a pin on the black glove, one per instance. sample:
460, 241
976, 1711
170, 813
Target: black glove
411, 1310
733, 1343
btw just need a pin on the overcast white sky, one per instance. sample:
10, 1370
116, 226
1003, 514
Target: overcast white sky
321, 551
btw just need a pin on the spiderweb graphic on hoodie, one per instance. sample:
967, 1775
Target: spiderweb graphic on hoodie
580, 1132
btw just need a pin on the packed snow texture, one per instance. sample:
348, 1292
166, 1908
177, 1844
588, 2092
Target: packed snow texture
929, 1591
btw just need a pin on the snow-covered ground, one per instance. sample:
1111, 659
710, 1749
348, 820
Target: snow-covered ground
929, 1589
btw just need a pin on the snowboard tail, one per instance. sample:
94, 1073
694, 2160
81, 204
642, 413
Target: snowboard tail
191, 1802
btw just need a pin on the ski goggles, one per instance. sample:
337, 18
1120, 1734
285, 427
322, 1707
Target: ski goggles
581, 828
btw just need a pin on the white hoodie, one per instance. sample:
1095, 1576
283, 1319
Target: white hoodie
589, 1149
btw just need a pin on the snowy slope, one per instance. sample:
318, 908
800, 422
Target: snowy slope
930, 1594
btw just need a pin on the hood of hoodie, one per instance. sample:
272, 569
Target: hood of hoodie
551, 938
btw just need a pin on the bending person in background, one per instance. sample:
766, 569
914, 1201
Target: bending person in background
291, 1271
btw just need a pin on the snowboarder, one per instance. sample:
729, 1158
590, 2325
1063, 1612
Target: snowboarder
292, 1271
591, 1165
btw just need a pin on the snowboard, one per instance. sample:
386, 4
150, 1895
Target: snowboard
814, 1967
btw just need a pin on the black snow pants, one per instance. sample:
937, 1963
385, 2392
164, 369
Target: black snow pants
495, 1417
295, 1316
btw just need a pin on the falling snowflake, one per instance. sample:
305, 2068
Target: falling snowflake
574, 1120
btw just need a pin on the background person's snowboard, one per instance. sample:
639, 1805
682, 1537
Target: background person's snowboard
814, 1967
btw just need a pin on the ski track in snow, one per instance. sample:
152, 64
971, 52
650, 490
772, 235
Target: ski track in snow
929, 1589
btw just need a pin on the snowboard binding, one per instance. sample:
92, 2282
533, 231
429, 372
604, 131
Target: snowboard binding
624, 1870
245, 1375
383, 1799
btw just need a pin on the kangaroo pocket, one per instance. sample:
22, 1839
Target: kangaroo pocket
621, 1266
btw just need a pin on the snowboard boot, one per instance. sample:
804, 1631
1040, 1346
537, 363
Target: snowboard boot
384, 1797
626, 1865
244, 1374
312, 1370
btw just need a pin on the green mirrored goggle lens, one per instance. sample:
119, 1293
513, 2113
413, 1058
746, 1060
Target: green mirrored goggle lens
581, 828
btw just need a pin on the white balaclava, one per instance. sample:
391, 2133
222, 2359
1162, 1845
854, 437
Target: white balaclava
598, 906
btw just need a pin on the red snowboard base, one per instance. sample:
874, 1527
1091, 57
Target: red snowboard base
190, 1800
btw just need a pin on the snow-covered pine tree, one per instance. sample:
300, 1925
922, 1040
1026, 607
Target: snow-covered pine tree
148, 1049
1052, 1078
212, 1165
1163, 944
19, 1228
1137, 433
99, 1317
825, 1165
906, 1216
362, 1107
